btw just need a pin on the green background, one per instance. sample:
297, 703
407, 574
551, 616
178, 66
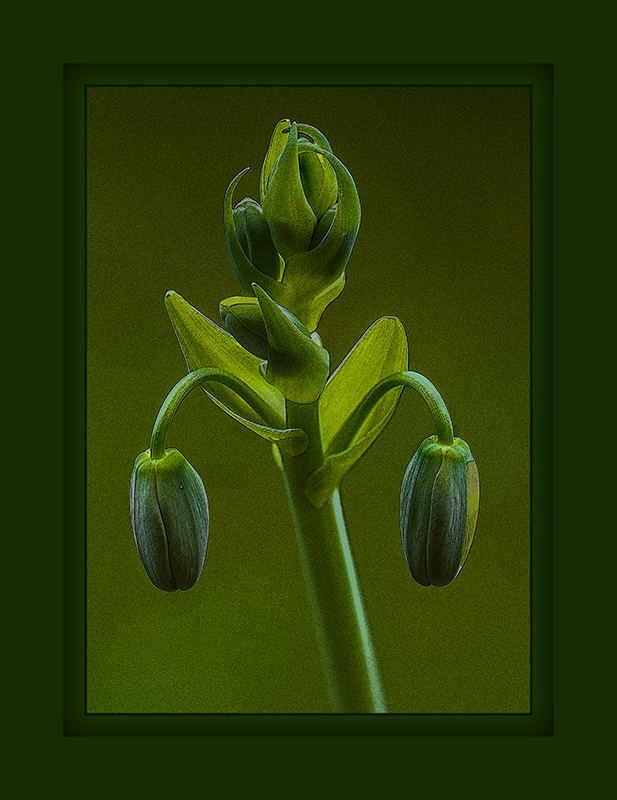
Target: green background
444, 180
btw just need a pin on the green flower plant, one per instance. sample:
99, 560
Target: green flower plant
268, 368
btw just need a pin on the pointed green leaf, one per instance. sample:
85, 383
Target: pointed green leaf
318, 181
315, 134
244, 320
278, 140
204, 344
297, 365
290, 217
381, 352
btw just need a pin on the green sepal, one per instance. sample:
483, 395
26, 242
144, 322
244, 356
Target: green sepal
254, 237
204, 344
381, 352
318, 178
323, 226
244, 319
307, 308
297, 364
315, 134
310, 309
246, 272
323, 265
290, 217
278, 140
318, 181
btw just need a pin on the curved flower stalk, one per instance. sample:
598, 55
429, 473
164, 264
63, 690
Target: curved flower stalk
268, 368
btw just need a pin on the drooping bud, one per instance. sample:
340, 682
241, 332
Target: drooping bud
439, 510
170, 518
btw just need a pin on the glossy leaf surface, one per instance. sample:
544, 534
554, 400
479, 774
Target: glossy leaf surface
381, 352
204, 344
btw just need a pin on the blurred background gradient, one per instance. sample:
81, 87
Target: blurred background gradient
443, 175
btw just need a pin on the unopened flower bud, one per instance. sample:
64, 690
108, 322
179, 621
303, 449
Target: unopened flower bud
439, 510
318, 181
255, 239
323, 226
170, 518
290, 217
244, 319
296, 242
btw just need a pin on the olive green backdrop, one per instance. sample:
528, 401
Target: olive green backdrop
444, 180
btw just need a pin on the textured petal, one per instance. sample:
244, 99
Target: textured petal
448, 518
184, 509
473, 507
148, 526
416, 535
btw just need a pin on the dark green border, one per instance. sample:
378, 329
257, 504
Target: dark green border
540, 721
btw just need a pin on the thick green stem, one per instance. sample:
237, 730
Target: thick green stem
343, 631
